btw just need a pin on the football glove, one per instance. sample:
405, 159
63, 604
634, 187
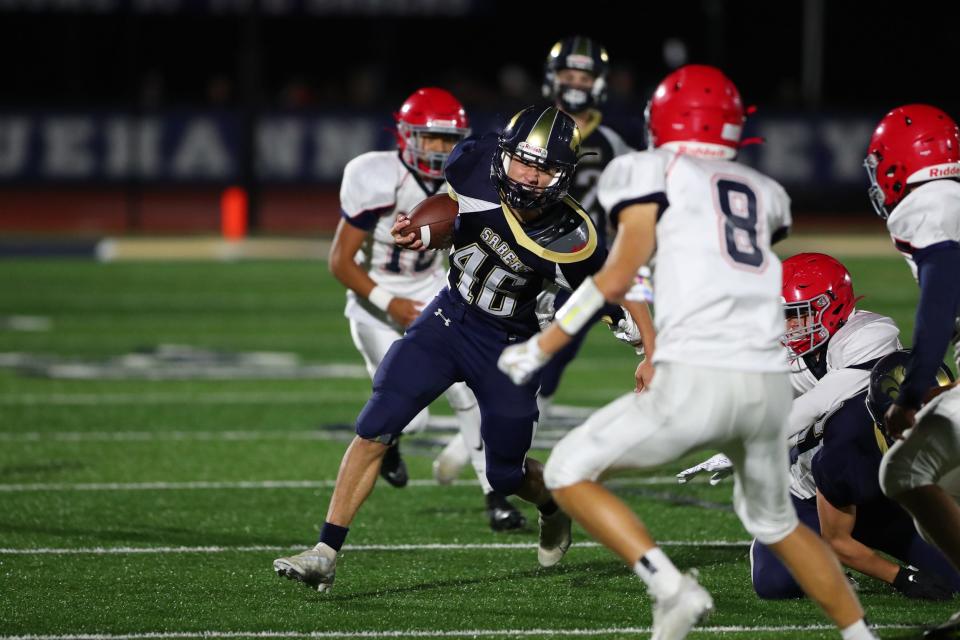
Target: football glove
923, 586
546, 307
719, 465
627, 330
521, 361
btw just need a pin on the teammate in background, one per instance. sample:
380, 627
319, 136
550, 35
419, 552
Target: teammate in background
574, 79
721, 374
913, 162
386, 285
516, 230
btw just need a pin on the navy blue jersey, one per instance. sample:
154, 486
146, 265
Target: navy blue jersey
499, 265
847, 467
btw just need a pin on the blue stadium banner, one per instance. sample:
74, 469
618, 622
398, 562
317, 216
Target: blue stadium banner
205, 147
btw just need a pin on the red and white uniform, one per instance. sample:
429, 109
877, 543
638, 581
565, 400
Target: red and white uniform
864, 338
721, 378
376, 187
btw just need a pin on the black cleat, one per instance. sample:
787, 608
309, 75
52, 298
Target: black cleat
503, 515
949, 629
393, 469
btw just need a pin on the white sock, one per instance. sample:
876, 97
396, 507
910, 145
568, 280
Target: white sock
660, 575
858, 631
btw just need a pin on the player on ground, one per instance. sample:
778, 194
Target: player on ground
387, 285
574, 80
836, 450
721, 373
516, 229
913, 162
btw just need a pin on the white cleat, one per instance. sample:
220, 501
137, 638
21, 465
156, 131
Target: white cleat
675, 616
555, 538
451, 461
314, 567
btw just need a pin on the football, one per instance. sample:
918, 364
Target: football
432, 221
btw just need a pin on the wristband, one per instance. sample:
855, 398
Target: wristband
380, 298
580, 308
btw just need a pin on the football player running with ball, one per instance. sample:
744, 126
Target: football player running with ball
516, 229
913, 162
721, 373
387, 285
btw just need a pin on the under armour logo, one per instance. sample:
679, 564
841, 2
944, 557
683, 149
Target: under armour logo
439, 313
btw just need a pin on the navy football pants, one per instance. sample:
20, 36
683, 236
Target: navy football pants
450, 343
894, 535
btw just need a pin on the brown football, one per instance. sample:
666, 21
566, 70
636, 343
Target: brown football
432, 221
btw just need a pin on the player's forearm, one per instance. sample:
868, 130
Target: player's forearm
862, 558
350, 275
640, 312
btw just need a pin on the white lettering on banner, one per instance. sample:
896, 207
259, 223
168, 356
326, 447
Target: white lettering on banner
66, 147
14, 134
787, 154
336, 142
202, 152
847, 143
280, 148
132, 148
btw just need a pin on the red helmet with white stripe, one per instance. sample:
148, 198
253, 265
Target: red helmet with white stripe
818, 298
912, 144
429, 111
696, 109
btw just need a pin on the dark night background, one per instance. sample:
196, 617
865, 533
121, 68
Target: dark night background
801, 62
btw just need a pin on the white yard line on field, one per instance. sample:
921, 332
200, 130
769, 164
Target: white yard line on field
508, 546
242, 435
430, 633
173, 397
259, 484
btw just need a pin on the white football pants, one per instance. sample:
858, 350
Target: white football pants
743, 414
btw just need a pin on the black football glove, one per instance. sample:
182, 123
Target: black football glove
924, 586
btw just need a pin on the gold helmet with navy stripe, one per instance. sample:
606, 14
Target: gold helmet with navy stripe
885, 379
581, 54
547, 139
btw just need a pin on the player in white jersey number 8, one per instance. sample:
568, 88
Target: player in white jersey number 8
717, 297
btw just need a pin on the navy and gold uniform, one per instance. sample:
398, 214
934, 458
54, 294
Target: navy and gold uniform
846, 472
498, 266
600, 144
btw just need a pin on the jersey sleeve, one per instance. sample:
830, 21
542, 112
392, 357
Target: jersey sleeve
866, 337
368, 189
635, 178
780, 218
572, 274
829, 392
928, 216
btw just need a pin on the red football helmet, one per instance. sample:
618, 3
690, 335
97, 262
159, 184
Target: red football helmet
696, 109
818, 296
912, 144
429, 111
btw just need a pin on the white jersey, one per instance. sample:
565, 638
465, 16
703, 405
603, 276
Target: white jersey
716, 282
864, 338
929, 215
376, 187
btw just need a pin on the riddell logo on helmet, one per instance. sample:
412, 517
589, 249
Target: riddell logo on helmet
949, 172
934, 172
579, 61
533, 150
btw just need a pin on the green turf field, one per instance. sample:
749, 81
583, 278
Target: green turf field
132, 507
